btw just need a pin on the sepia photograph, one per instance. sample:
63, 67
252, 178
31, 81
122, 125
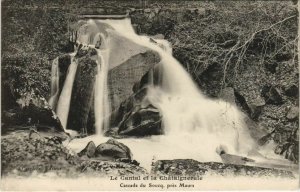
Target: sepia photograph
149, 95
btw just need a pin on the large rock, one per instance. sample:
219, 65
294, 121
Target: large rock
122, 78
144, 122
292, 90
89, 150
81, 115
137, 117
272, 95
33, 111
111, 150
256, 106
293, 113
252, 105
290, 147
153, 77
131, 103
189, 167
227, 94
122, 49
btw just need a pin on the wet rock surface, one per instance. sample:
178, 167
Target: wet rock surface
144, 122
112, 149
227, 94
122, 78
89, 150
137, 117
189, 167
80, 116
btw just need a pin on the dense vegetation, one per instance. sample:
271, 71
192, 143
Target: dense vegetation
230, 33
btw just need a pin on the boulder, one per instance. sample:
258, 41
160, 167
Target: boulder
112, 150
292, 91
132, 102
256, 106
122, 78
144, 122
33, 111
123, 50
137, 117
227, 94
257, 131
80, 116
266, 138
190, 167
89, 150
252, 105
289, 150
152, 77
293, 113
272, 95
210, 78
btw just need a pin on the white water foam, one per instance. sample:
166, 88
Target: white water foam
54, 84
102, 108
195, 126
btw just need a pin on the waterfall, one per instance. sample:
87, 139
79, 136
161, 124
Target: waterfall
90, 37
63, 105
54, 84
196, 127
185, 110
101, 94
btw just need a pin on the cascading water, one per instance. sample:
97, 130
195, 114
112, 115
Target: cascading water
184, 109
54, 84
89, 35
63, 105
195, 126
101, 95
200, 124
